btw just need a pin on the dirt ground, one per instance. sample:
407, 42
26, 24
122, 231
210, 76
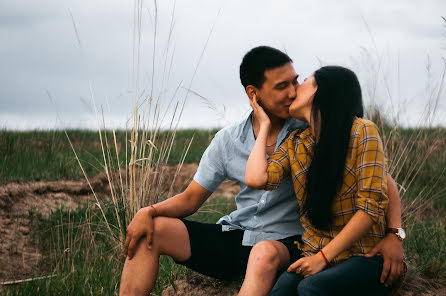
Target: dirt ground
200, 285
19, 257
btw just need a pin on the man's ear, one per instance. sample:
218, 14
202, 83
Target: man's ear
251, 91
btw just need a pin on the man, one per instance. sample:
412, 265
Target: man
257, 239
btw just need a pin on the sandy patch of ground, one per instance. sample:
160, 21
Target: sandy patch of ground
200, 285
19, 257
227, 189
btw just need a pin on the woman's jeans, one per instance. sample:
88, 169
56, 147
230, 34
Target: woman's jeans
355, 276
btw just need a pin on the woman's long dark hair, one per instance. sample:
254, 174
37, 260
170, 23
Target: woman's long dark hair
336, 102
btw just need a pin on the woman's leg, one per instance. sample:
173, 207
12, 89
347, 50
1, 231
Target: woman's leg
355, 276
286, 284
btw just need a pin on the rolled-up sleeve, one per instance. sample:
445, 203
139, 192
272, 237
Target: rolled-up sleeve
371, 173
211, 171
278, 167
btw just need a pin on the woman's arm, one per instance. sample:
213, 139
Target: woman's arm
358, 225
370, 201
393, 216
255, 173
390, 247
352, 232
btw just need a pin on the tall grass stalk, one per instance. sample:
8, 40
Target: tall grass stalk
407, 155
137, 180
415, 158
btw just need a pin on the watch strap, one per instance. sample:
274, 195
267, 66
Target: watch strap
392, 230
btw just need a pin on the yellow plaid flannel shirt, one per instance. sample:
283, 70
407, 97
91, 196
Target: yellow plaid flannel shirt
364, 186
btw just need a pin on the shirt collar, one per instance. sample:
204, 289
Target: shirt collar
307, 137
286, 130
246, 128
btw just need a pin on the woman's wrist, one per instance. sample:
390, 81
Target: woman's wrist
324, 258
264, 128
328, 254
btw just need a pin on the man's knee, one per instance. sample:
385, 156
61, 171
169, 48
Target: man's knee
170, 237
161, 227
160, 231
269, 256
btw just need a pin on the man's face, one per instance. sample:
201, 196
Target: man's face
278, 91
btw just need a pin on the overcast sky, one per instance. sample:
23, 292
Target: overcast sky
71, 51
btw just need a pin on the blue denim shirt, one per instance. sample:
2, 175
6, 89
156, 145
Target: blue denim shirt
263, 215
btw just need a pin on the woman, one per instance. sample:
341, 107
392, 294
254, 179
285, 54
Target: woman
338, 170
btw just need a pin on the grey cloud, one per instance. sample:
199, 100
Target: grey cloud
42, 52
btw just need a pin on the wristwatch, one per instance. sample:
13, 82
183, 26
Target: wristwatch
399, 232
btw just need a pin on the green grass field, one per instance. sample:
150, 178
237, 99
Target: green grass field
85, 261
47, 155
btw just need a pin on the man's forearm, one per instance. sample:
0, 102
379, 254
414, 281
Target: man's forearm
182, 204
393, 216
172, 207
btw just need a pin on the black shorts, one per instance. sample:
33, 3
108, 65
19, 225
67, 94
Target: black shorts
220, 254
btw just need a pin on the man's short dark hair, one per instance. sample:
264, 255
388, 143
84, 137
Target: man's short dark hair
257, 61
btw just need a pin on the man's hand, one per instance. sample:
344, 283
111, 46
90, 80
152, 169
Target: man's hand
141, 225
392, 252
308, 265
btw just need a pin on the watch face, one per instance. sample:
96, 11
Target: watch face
402, 233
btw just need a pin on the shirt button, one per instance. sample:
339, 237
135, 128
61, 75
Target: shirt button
262, 201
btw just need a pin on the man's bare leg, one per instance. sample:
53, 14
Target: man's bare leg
266, 259
139, 275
